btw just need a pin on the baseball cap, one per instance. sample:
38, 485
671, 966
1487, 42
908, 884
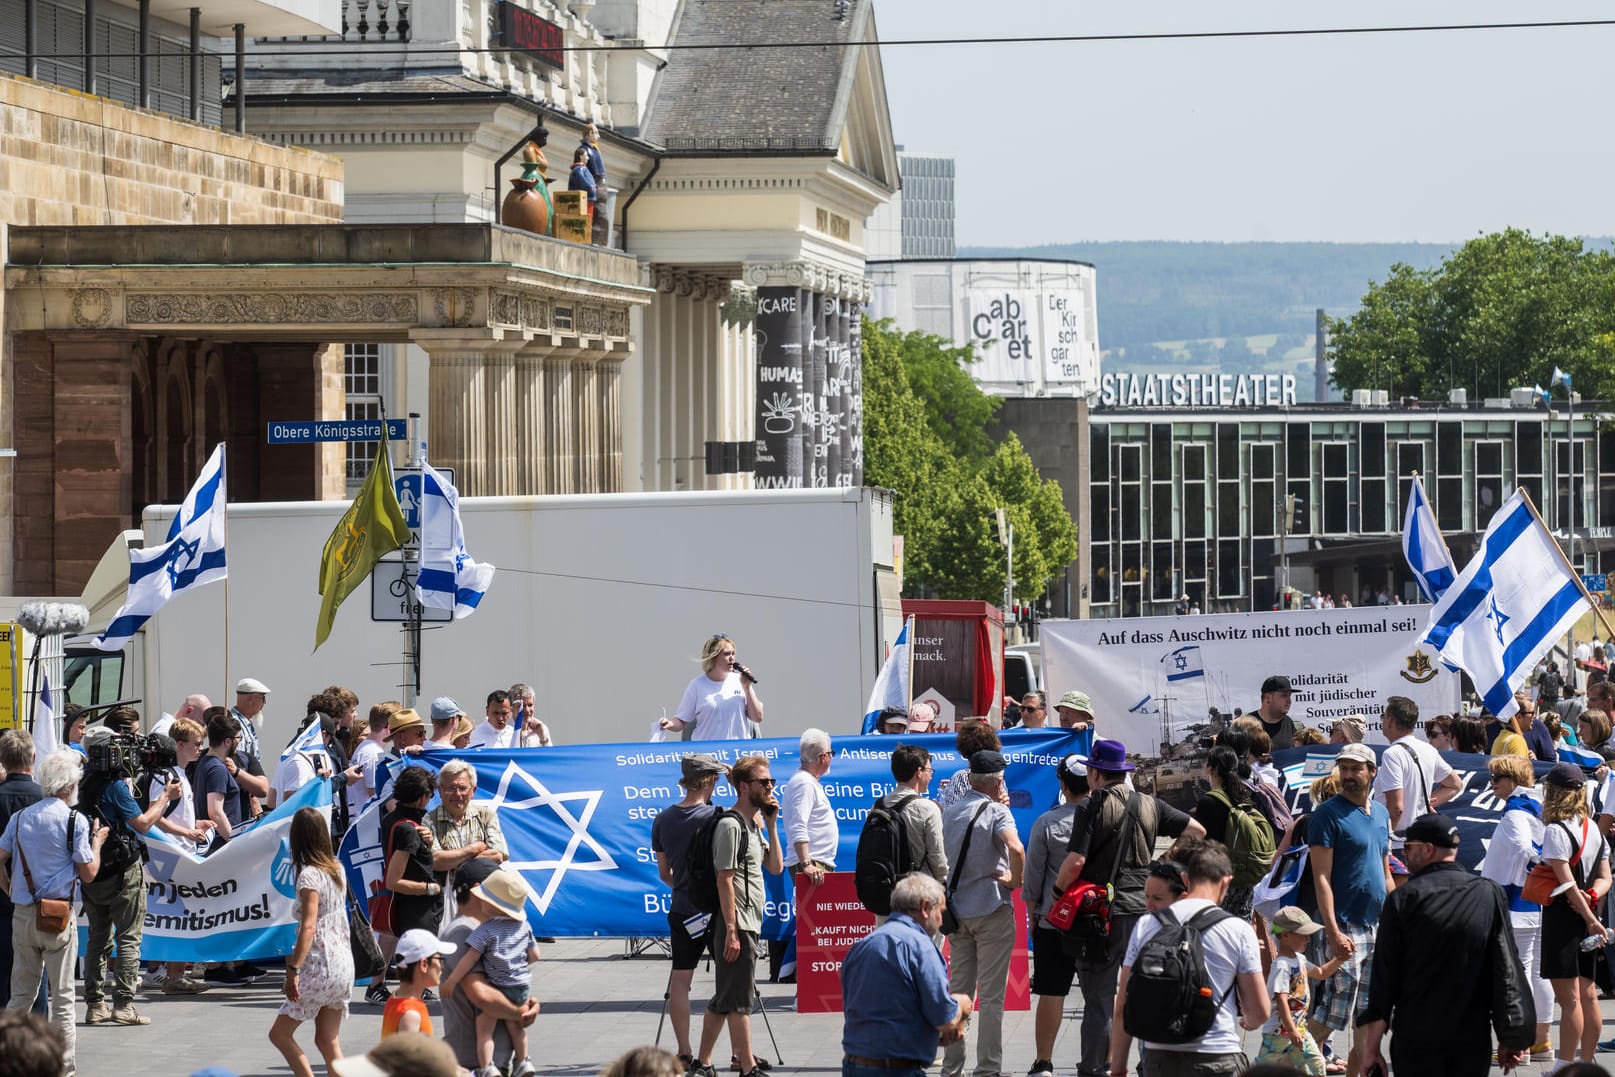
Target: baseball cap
1291, 919
249, 685
892, 717
1362, 753
417, 944
1075, 765
1563, 775
1276, 683
473, 871
697, 765
408, 718
445, 709
987, 761
921, 717
1437, 829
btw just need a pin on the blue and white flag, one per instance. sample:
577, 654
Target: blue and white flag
1582, 756
1560, 378
1184, 663
192, 556
449, 579
311, 741
45, 739
892, 683
1510, 604
1426, 551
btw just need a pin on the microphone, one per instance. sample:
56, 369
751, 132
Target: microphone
53, 618
746, 673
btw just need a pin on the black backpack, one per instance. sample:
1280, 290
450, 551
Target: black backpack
123, 846
884, 854
1169, 993
702, 885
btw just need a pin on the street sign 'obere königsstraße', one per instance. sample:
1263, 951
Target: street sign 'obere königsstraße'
310, 430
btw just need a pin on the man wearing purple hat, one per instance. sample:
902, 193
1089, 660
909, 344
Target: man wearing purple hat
1112, 840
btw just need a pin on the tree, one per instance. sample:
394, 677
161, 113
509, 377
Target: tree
947, 494
1503, 310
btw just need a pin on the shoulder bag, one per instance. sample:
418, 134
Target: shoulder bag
52, 915
381, 902
1541, 882
950, 919
367, 959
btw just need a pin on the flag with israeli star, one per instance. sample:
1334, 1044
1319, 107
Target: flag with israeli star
45, 739
892, 683
1510, 604
1426, 551
448, 579
192, 557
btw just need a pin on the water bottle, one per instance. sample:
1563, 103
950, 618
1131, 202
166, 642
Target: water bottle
1594, 942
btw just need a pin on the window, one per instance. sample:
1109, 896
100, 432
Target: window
1488, 480
1264, 491
361, 381
1336, 488
1409, 458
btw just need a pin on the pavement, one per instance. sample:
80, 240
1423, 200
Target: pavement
596, 1005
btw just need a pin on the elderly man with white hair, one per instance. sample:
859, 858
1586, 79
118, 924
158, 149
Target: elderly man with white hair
811, 832
464, 829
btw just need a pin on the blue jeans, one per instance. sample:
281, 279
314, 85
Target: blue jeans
850, 1070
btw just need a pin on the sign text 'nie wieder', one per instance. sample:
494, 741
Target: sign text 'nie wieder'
304, 431
1124, 390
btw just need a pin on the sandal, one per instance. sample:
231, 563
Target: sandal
1336, 1065
686, 1061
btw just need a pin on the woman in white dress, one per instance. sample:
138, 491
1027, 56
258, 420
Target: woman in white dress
722, 702
319, 972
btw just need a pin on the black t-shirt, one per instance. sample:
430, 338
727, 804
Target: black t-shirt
1281, 733
411, 910
250, 764
1213, 815
1092, 839
675, 827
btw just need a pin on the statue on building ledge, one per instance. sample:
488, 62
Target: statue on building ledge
528, 205
590, 147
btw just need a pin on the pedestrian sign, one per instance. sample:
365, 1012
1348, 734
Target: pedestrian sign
407, 485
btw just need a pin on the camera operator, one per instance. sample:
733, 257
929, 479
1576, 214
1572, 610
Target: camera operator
115, 901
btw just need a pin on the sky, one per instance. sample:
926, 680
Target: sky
1432, 137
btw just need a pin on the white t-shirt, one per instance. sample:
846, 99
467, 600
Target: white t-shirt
294, 772
365, 757
184, 813
1397, 771
1557, 845
1287, 984
486, 736
1230, 949
718, 708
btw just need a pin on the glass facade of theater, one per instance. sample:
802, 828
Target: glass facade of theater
1196, 503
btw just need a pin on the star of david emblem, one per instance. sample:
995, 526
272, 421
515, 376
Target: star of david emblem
505, 799
1181, 661
181, 556
1498, 619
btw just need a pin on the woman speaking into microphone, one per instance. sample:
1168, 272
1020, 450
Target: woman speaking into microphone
720, 703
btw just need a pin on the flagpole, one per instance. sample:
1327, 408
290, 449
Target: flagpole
224, 473
1565, 561
909, 683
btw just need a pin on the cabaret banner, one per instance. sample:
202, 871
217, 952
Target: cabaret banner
1153, 679
578, 818
238, 904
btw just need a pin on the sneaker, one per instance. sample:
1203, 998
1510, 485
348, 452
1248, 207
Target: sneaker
758, 1062
98, 1013
378, 994
183, 985
702, 1069
155, 977
756, 1071
490, 1070
250, 973
524, 1068
126, 1015
226, 976
1041, 1068
1604, 1045
428, 995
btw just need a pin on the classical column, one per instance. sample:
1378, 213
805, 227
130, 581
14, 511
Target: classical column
499, 383
458, 415
528, 368
608, 408
779, 386
560, 476
586, 425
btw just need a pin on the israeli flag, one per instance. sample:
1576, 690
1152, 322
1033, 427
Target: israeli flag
311, 741
1426, 551
192, 557
1510, 604
891, 684
45, 740
1560, 378
1583, 757
449, 579
1184, 663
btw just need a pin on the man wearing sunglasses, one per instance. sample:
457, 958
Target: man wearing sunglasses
741, 849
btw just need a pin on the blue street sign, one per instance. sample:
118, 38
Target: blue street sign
311, 430
1596, 581
407, 485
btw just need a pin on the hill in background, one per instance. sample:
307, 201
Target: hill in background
1229, 307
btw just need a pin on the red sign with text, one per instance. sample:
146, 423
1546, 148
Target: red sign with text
830, 918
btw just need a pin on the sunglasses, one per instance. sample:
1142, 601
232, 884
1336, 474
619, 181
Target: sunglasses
767, 782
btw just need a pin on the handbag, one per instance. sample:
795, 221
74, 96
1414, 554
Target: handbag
1541, 882
950, 919
51, 915
381, 902
367, 959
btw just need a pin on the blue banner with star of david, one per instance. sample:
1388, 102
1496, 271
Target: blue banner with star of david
577, 819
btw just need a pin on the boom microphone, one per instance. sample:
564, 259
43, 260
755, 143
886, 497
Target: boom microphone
53, 618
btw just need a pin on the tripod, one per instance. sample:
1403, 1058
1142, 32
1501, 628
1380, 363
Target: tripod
757, 995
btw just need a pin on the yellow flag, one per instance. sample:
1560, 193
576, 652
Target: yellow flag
373, 525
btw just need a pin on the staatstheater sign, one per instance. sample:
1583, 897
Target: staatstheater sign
1123, 390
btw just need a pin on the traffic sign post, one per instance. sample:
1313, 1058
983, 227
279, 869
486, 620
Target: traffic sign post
392, 595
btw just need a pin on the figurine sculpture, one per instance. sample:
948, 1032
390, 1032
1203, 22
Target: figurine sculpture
528, 205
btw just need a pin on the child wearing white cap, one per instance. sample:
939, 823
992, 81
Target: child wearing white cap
419, 959
504, 948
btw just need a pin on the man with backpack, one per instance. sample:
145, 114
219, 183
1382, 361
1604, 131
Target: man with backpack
1053, 966
902, 833
743, 843
1112, 840
115, 902
670, 837
988, 862
1182, 971
1412, 779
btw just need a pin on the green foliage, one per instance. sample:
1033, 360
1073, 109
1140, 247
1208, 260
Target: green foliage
1504, 310
926, 437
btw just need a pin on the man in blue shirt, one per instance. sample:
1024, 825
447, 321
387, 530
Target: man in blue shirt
1349, 846
894, 989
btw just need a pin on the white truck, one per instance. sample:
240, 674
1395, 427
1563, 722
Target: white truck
601, 602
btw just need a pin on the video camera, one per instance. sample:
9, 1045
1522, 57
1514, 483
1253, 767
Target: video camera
130, 754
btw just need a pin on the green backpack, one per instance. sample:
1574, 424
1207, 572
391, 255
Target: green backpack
1251, 845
